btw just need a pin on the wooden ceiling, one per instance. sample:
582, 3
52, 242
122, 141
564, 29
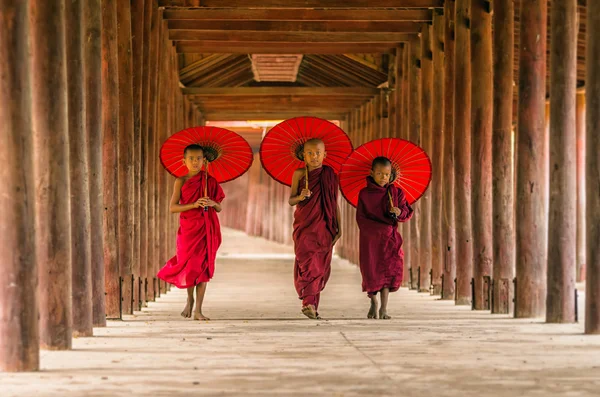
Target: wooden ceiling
346, 44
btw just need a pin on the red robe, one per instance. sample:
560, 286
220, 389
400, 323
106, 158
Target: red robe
315, 226
381, 255
198, 237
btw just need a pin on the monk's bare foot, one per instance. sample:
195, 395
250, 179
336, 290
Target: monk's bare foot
373, 310
187, 312
200, 317
309, 311
383, 315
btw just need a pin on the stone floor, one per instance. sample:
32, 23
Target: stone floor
258, 344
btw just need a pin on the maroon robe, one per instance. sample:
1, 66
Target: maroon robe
315, 226
198, 237
381, 255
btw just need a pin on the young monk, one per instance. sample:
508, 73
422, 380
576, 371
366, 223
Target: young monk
316, 225
198, 200
381, 205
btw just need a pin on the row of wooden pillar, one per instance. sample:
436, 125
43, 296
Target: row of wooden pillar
84, 204
505, 217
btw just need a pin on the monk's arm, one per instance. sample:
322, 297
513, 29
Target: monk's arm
295, 199
339, 222
174, 206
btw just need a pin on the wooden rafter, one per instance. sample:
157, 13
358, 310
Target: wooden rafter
282, 14
288, 37
288, 91
297, 26
303, 3
232, 47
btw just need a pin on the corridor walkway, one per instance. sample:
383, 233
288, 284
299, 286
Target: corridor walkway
258, 344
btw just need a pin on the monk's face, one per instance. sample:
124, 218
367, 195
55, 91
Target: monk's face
193, 160
314, 154
382, 174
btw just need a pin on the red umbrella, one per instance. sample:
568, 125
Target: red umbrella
411, 163
282, 147
228, 154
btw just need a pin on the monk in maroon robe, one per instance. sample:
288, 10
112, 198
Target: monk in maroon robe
381, 205
316, 225
198, 200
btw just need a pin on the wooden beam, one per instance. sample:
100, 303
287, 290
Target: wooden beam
303, 3
297, 26
263, 115
288, 91
288, 37
237, 47
282, 14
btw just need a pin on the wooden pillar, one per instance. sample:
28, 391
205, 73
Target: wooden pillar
78, 164
110, 132
415, 136
462, 145
437, 152
592, 84
580, 126
405, 134
92, 16
125, 156
137, 48
503, 180
19, 334
426, 120
562, 223
448, 216
532, 226
162, 112
51, 170
482, 102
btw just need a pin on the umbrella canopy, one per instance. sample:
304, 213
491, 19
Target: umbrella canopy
228, 154
281, 151
411, 164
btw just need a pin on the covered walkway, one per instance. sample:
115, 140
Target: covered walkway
258, 344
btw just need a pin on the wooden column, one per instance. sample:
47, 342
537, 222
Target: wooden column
592, 84
448, 216
19, 334
414, 115
580, 125
562, 223
137, 49
404, 134
78, 164
126, 153
482, 101
92, 16
462, 145
437, 153
502, 152
110, 139
51, 170
426, 120
532, 226
162, 111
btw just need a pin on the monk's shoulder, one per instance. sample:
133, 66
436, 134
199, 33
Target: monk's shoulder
299, 173
181, 180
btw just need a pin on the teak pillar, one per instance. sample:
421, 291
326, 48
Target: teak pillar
19, 334
426, 119
437, 154
592, 83
502, 152
125, 157
562, 222
414, 134
462, 145
482, 100
110, 130
448, 211
581, 221
51, 170
532, 225
78, 160
92, 15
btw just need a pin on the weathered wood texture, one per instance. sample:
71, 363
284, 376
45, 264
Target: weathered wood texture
581, 219
562, 222
503, 174
532, 221
414, 135
19, 334
462, 145
51, 170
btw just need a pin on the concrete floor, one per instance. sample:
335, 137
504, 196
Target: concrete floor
258, 344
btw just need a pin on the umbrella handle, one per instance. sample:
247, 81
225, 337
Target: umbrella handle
206, 181
306, 177
391, 201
